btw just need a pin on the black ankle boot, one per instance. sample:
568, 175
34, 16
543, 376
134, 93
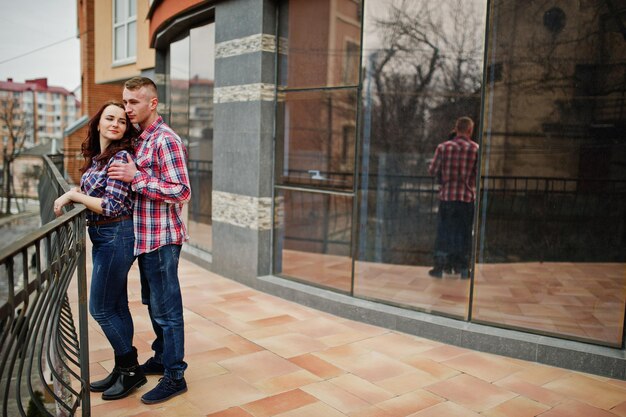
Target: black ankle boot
130, 376
106, 383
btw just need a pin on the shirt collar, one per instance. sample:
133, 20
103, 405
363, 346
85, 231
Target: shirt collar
465, 138
148, 131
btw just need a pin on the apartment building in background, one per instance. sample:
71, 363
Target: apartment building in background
36, 115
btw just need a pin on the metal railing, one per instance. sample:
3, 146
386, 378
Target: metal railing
530, 218
44, 362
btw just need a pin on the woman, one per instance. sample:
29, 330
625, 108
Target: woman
110, 222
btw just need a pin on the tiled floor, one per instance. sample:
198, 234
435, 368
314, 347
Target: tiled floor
254, 355
581, 300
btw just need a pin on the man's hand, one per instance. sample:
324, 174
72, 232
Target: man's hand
123, 172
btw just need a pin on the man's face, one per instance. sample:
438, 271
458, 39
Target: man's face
139, 105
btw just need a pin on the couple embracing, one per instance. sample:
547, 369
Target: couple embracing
134, 185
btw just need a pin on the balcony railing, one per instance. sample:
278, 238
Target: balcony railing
44, 362
527, 218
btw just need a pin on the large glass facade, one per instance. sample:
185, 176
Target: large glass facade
190, 93
552, 224
357, 209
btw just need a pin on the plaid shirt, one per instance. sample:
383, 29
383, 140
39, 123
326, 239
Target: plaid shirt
455, 164
161, 187
117, 199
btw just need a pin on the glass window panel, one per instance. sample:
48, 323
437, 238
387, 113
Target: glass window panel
326, 53
316, 138
179, 87
552, 242
120, 42
120, 11
312, 238
200, 147
132, 8
132, 39
423, 70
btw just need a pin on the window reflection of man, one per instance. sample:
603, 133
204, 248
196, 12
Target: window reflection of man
455, 165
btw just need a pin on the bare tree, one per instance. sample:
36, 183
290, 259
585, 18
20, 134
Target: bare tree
17, 126
430, 55
403, 70
463, 45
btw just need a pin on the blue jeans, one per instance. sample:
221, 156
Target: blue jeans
160, 291
453, 245
112, 255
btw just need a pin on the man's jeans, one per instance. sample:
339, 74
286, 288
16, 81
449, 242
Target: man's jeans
453, 244
160, 291
112, 255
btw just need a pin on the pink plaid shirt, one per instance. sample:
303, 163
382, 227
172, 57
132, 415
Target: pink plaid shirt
455, 162
161, 187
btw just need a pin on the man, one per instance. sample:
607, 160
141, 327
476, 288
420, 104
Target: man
455, 165
160, 181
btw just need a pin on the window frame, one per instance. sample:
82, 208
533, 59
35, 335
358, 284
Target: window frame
125, 23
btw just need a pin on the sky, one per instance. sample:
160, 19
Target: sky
38, 39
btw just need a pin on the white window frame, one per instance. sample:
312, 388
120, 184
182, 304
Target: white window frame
125, 22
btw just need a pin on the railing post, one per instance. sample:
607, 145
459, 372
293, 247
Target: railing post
82, 314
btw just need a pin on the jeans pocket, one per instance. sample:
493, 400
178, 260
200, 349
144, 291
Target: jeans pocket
104, 235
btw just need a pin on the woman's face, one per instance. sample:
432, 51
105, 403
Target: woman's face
112, 124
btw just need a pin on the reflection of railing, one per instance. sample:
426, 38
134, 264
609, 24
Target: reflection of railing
318, 178
530, 218
613, 108
553, 219
201, 179
40, 350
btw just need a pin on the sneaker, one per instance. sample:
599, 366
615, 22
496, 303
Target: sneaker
152, 367
165, 389
435, 273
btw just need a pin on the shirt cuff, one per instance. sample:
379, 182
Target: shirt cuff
139, 181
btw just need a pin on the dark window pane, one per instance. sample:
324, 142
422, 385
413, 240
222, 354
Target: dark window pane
201, 85
179, 87
552, 241
312, 238
321, 40
316, 139
191, 75
420, 76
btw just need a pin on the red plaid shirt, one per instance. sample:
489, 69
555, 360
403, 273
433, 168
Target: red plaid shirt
455, 164
161, 187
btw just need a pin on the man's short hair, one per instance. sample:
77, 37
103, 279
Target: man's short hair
136, 83
464, 124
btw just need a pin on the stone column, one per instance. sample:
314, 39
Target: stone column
243, 137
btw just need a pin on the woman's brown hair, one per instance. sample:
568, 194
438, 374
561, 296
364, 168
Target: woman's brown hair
90, 148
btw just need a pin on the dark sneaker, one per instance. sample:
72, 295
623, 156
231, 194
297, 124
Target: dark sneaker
435, 273
152, 367
165, 389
